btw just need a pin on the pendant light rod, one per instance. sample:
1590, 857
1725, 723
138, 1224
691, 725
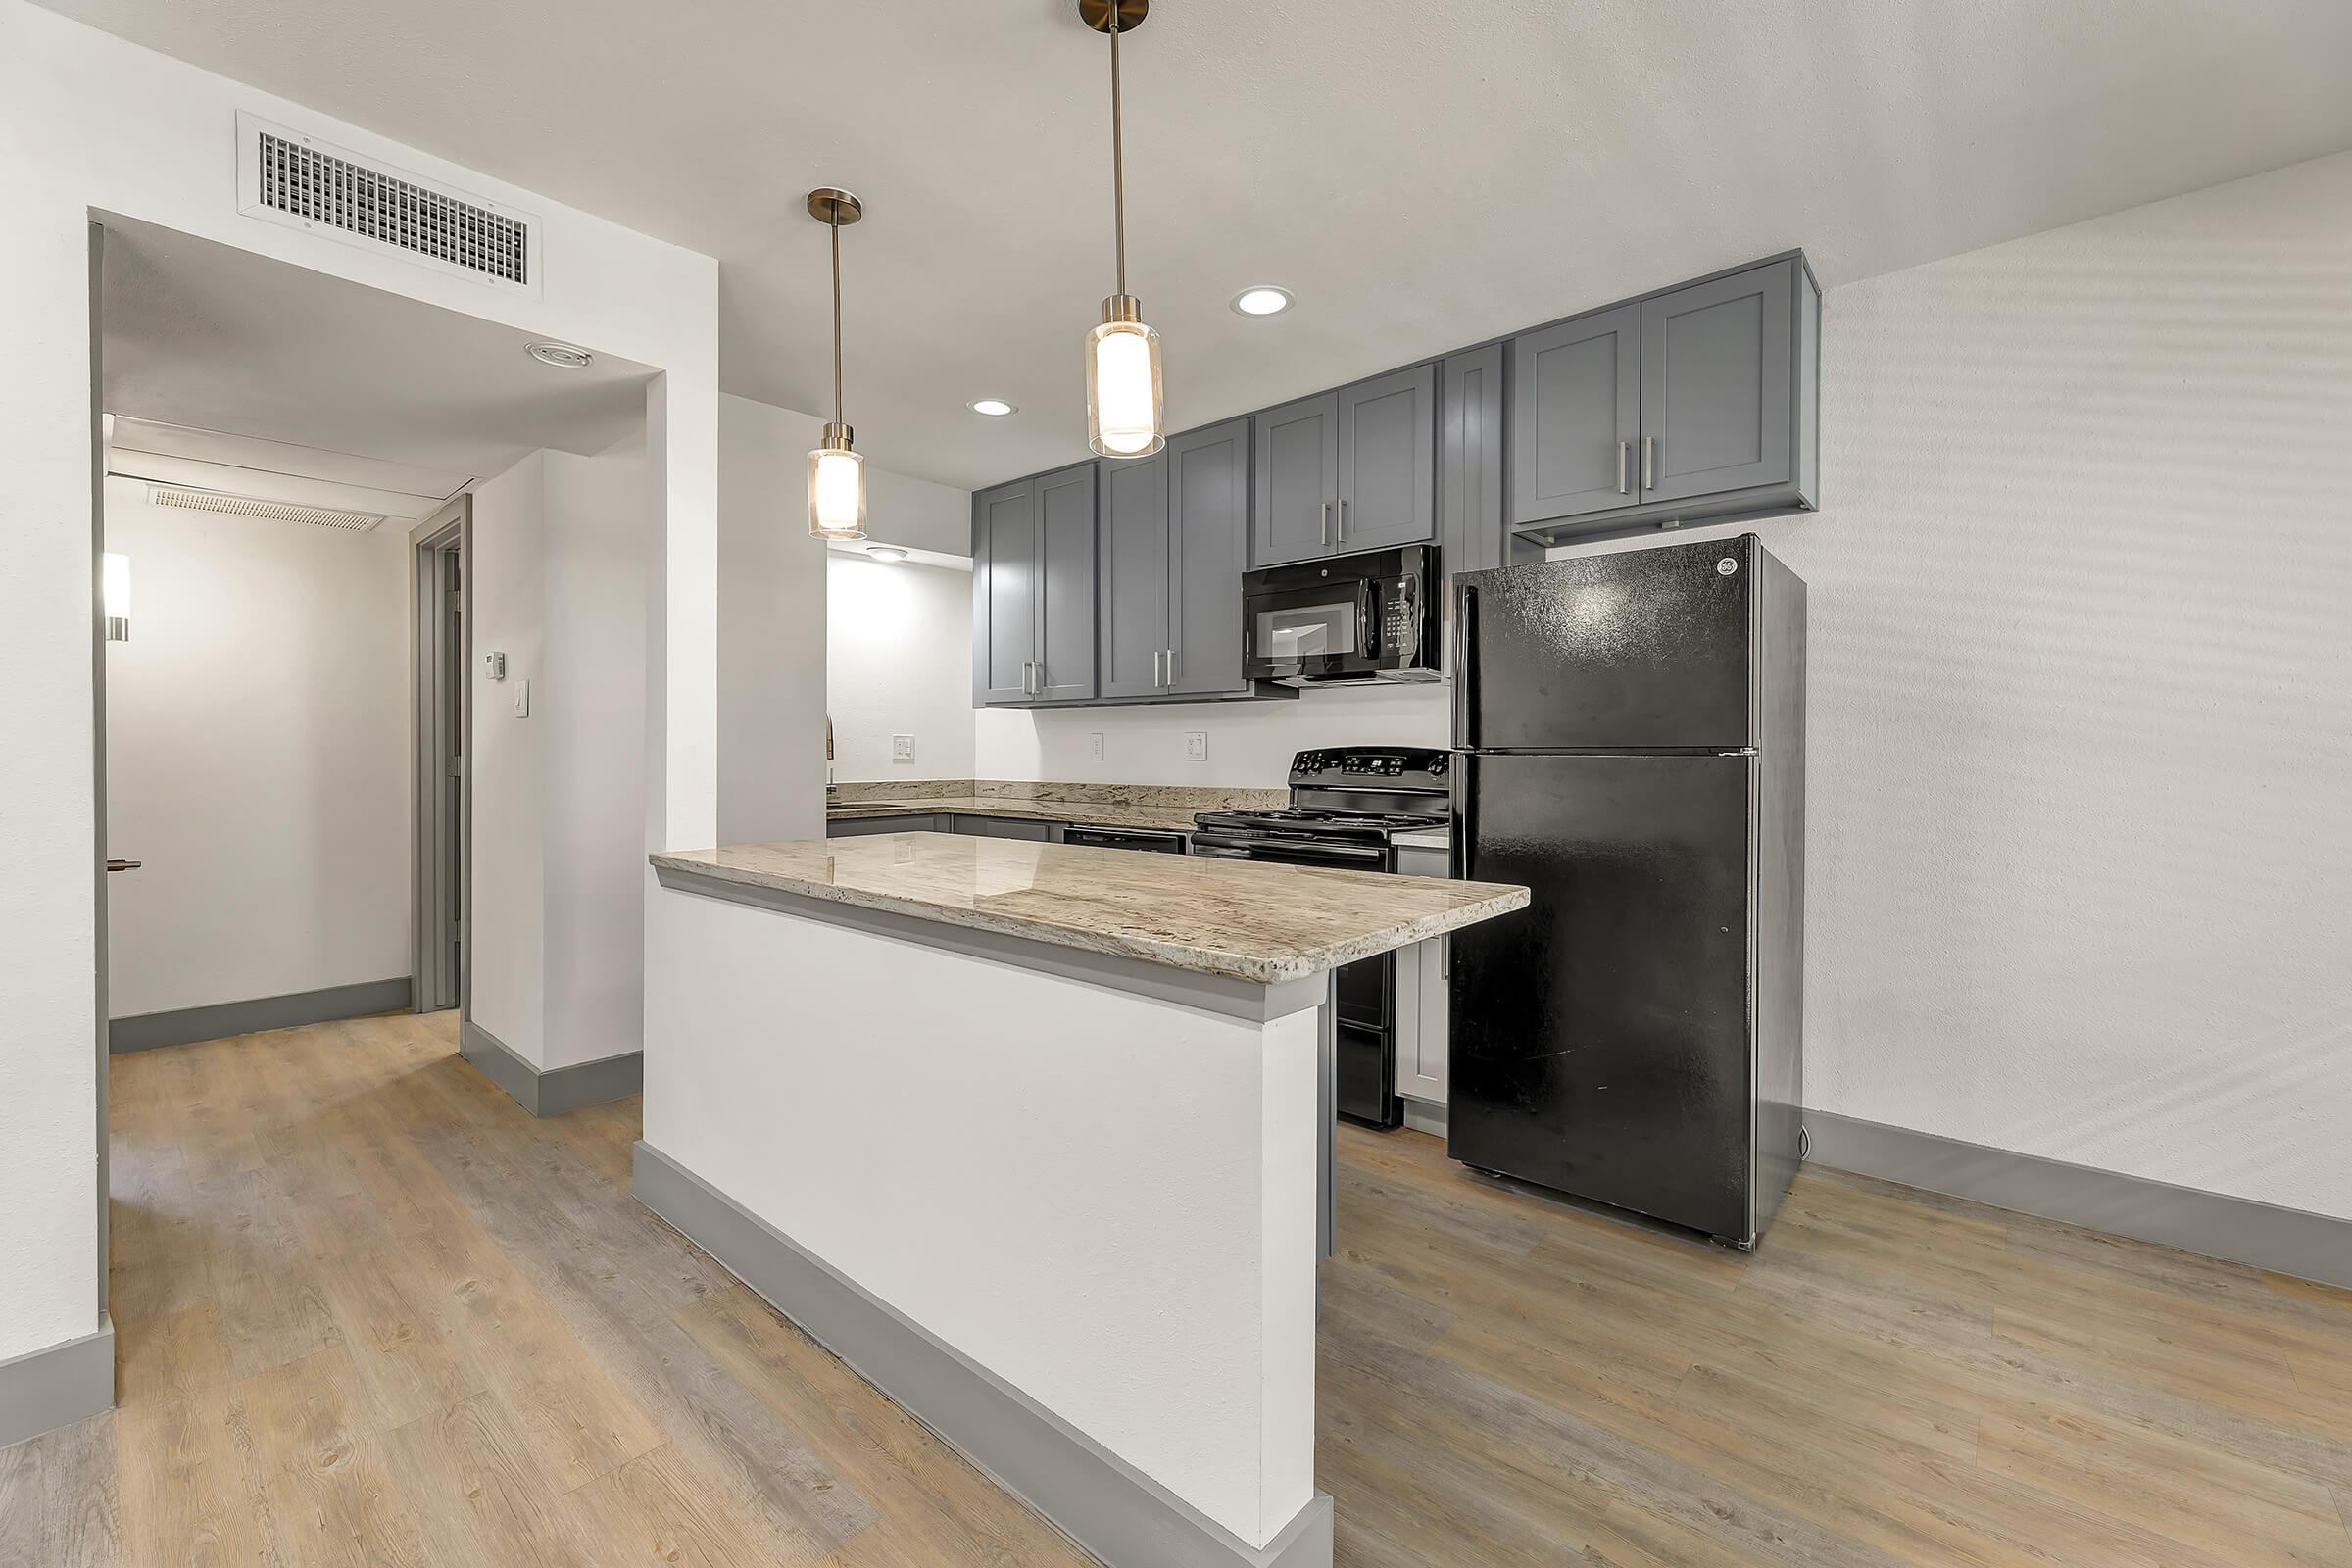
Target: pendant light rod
837, 209
833, 222
1118, 156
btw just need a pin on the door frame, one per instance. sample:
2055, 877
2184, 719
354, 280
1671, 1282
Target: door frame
453, 522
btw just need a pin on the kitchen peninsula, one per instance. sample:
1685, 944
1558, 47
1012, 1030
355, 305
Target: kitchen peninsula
1036, 1137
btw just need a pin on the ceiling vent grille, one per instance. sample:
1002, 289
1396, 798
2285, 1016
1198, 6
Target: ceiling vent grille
300, 181
164, 495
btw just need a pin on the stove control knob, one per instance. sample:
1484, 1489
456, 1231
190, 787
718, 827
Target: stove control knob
1438, 763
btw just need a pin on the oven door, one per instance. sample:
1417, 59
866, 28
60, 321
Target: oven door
1318, 631
1365, 991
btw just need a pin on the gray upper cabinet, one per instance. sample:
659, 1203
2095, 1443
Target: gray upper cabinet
1575, 415
1349, 471
1132, 576
1715, 384
1696, 404
1470, 462
1208, 543
1033, 589
1295, 480
1175, 538
1387, 462
1005, 559
1066, 611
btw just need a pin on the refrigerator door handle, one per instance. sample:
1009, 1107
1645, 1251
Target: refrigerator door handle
1465, 673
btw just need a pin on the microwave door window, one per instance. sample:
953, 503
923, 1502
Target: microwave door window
1292, 637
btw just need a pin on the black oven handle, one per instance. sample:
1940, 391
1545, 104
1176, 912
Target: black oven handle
1237, 850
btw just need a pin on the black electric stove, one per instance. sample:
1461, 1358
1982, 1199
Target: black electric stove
1348, 805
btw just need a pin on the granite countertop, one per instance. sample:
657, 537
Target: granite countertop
1100, 813
1246, 920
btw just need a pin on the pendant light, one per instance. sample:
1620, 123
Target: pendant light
113, 578
836, 472
1123, 418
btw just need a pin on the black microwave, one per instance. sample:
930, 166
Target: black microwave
1372, 616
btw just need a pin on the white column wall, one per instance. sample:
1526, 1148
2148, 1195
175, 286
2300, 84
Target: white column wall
1107, 1202
93, 123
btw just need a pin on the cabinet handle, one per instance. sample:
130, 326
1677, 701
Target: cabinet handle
1171, 666
1327, 523
1624, 452
1158, 654
1650, 462
1342, 521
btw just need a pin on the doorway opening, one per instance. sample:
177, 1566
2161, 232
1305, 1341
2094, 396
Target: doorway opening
444, 653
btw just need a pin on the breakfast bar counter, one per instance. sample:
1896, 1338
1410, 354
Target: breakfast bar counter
1035, 1137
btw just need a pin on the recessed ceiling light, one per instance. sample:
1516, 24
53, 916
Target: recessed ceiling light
891, 552
1262, 299
994, 408
561, 355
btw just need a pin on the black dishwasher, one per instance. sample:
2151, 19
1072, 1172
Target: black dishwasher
1150, 840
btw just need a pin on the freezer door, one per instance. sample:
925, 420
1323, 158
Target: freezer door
1600, 1037
1638, 650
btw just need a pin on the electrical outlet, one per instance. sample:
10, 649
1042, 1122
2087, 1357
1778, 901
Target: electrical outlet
1196, 746
1094, 745
902, 748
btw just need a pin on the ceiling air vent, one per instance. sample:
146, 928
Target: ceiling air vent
165, 495
303, 182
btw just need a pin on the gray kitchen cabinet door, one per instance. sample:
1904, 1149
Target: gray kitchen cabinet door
1005, 593
1387, 462
1132, 578
1208, 546
1065, 595
1576, 416
1002, 827
862, 826
1423, 996
1470, 536
1295, 485
1716, 384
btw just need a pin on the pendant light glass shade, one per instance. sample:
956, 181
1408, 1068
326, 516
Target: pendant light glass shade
1122, 389
114, 585
836, 490
836, 472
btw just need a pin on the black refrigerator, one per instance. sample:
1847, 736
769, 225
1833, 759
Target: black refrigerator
1633, 736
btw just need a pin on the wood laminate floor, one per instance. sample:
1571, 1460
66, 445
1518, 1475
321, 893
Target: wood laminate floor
371, 1313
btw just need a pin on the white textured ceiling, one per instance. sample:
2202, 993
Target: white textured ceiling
1422, 174
207, 336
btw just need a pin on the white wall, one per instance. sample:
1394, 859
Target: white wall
559, 795
2081, 715
257, 757
122, 129
506, 967
898, 661
1249, 744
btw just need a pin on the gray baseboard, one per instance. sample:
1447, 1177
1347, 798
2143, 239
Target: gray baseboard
220, 1019
2285, 1240
1124, 1518
554, 1090
44, 1389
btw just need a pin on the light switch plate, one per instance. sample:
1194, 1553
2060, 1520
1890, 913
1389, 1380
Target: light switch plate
522, 699
1196, 746
902, 748
1094, 745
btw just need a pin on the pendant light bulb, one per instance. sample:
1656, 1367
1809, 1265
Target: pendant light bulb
836, 471
1125, 413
